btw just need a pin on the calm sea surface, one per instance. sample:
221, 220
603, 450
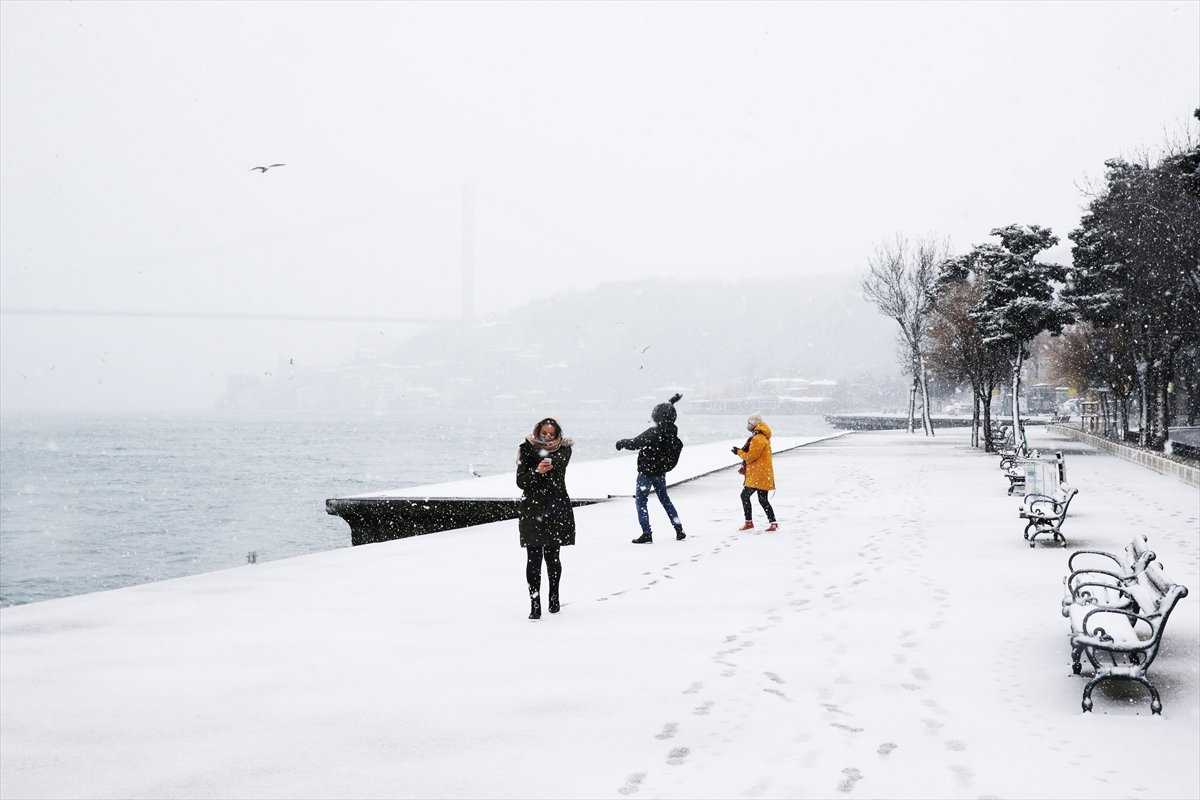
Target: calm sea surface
91, 503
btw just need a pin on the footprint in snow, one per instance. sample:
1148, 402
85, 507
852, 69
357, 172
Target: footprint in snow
677, 756
669, 730
853, 776
632, 783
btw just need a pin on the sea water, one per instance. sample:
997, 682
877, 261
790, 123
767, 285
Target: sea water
89, 503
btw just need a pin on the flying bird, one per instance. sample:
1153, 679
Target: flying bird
472, 471
264, 169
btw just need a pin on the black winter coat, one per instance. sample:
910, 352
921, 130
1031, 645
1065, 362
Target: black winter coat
546, 513
654, 444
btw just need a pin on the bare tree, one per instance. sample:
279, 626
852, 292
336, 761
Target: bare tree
958, 353
900, 282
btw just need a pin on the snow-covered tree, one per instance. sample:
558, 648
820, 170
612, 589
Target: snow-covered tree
957, 350
1136, 273
900, 283
1017, 298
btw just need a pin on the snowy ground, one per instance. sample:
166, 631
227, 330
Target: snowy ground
897, 638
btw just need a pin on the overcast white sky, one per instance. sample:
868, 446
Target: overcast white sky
603, 141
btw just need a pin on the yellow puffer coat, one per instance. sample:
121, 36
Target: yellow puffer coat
760, 472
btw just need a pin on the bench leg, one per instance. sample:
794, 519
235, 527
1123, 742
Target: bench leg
1155, 700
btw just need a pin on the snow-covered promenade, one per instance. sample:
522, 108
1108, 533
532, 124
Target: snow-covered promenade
897, 638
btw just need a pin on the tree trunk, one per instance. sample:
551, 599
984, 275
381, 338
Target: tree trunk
974, 415
912, 404
926, 420
1163, 417
1143, 374
989, 445
1018, 430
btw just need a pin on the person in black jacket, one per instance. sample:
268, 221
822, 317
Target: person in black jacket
658, 451
547, 520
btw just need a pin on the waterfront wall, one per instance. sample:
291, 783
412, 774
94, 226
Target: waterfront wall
1185, 472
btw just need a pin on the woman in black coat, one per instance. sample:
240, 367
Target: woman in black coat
547, 519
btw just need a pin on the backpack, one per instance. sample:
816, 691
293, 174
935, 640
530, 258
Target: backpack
670, 453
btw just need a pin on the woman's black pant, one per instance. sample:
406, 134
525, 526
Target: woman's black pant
762, 501
533, 568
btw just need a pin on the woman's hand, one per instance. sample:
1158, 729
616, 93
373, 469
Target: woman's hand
544, 466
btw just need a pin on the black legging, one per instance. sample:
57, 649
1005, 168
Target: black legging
762, 501
533, 568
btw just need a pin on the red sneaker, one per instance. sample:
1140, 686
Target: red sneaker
774, 526
749, 526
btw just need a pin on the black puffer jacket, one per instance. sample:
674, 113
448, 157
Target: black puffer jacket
546, 513
656, 444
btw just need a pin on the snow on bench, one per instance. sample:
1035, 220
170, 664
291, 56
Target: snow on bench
1122, 642
1047, 513
1099, 578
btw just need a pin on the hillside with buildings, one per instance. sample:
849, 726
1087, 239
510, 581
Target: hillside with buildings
798, 346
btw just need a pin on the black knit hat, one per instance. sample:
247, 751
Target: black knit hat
665, 411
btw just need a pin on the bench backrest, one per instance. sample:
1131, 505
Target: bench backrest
1138, 547
1159, 618
1155, 578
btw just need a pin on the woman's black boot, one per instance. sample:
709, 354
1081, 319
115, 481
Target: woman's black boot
553, 605
535, 608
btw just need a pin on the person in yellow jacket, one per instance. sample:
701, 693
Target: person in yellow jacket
759, 471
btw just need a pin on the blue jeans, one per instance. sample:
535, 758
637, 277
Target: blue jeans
657, 484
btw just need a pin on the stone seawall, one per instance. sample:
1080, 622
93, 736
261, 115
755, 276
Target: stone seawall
1186, 473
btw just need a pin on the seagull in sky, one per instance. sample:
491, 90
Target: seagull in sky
472, 471
264, 169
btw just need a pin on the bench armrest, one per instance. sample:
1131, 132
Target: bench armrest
1080, 573
1099, 639
1071, 561
1041, 506
1085, 598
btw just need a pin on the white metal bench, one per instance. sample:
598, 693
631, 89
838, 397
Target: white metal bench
1122, 642
1046, 513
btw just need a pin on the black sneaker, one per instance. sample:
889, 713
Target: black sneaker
645, 538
